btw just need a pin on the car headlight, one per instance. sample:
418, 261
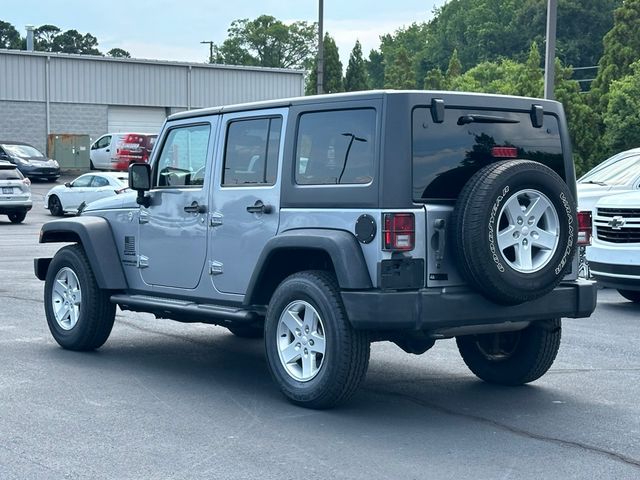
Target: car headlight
55, 163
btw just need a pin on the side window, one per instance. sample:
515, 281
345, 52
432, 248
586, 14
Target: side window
251, 152
83, 181
336, 147
104, 143
99, 182
183, 158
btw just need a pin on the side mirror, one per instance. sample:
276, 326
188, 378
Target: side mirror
140, 181
68, 184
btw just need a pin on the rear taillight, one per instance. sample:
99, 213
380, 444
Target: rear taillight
584, 227
504, 152
398, 232
26, 181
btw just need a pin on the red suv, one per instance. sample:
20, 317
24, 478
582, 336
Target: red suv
133, 147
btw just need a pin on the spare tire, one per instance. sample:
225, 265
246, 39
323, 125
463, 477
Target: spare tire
515, 231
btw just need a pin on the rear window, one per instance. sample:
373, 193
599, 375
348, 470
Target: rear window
10, 174
447, 154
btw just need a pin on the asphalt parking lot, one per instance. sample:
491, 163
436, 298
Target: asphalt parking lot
168, 400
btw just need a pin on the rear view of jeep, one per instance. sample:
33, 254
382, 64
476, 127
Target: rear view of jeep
325, 223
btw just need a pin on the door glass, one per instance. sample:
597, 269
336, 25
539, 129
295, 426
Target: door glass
251, 152
83, 181
99, 182
183, 158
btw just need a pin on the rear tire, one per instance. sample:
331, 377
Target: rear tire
80, 314
91, 167
314, 354
512, 358
17, 217
631, 295
55, 206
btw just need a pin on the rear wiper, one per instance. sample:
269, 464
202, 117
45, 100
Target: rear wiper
474, 118
595, 182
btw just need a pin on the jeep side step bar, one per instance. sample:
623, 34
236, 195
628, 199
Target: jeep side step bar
185, 310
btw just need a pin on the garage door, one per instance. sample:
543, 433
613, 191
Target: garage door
136, 119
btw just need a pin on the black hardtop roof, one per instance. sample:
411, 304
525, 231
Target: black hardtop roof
459, 99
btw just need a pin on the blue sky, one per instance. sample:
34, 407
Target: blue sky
172, 30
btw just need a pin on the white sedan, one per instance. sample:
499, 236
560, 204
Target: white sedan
83, 190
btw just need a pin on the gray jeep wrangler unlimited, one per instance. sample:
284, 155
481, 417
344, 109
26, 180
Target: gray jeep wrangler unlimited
324, 223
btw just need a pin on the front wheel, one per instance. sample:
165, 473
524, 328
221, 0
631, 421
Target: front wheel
512, 358
79, 313
55, 206
314, 355
631, 295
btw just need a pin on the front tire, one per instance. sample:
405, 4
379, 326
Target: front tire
17, 217
631, 295
512, 358
79, 313
55, 206
247, 331
314, 355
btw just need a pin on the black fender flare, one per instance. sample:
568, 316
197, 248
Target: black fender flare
96, 238
341, 246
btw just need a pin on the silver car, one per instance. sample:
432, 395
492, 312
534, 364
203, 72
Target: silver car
15, 193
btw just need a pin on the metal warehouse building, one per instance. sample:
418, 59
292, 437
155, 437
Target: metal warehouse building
46, 94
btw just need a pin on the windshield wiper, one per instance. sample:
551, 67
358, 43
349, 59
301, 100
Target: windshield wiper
595, 182
474, 118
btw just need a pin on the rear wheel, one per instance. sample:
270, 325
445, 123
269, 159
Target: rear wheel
314, 355
55, 206
80, 314
512, 358
91, 167
17, 217
631, 295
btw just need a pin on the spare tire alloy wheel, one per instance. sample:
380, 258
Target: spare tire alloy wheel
515, 231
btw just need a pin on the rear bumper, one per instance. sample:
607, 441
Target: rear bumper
435, 309
14, 207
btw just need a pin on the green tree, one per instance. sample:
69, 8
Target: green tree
411, 39
400, 74
454, 70
623, 112
435, 80
73, 41
375, 69
9, 36
621, 49
356, 78
332, 79
267, 42
43, 36
531, 80
118, 53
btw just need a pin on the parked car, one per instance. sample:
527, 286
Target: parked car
29, 160
614, 256
115, 151
15, 193
617, 174
84, 189
327, 222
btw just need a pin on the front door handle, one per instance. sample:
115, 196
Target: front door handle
195, 208
259, 207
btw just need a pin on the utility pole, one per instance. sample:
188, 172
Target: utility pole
211, 43
320, 85
550, 54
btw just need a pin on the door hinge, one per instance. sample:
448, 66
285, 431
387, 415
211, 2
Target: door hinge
215, 219
143, 262
143, 216
215, 267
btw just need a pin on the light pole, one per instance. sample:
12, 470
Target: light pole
211, 43
320, 86
550, 54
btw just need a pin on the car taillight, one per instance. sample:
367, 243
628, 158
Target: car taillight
584, 227
504, 152
26, 181
398, 232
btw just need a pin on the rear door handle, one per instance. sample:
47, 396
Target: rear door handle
259, 207
195, 208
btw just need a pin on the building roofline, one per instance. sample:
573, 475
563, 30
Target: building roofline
145, 61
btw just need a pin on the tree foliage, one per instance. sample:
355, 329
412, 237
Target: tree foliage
118, 53
622, 119
9, 36
356, 78
44, 36
332, 79
401, 73
267, 42
375, 69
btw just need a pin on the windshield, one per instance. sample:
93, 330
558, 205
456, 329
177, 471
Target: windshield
621, 172
22, 151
